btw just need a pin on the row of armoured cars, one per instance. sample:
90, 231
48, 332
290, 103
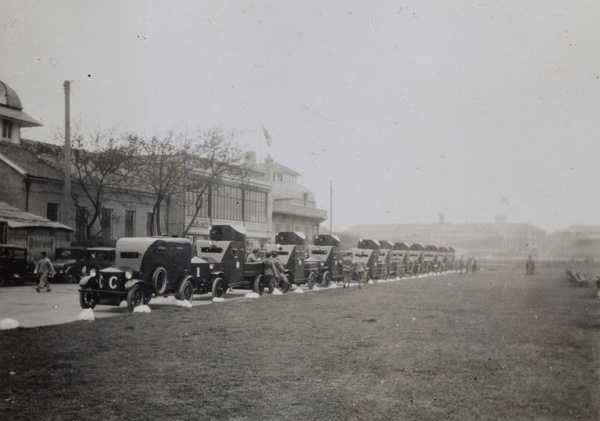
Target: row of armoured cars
148, 267
385, 259
70, 263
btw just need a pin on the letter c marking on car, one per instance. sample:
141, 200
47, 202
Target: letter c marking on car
100, 281
112, 282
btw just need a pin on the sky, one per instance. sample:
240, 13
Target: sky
409, 108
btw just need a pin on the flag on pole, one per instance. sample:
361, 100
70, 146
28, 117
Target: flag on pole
505, 201
267, 136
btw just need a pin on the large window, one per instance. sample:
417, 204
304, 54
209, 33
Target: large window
190, 201
227, 203
52, 211
7, 128
129, 223
149, 224
255, 206
106, 223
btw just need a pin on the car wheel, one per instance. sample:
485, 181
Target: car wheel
218, 288
135, 297
326, 280
87, 299
259, 286
186, 291
312, 278
159, 280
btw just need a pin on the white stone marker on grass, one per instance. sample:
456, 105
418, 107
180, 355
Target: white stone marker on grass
299, 290
252, 295
142, 309
87, 314
218, 300
7, 324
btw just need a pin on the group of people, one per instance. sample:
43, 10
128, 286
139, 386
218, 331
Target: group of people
274, 269
470, 267
353, 269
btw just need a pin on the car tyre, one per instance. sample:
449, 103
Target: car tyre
87, 299
135, 297
259, 286
159, 280
186, 291
312, 279
218, 288
326, 279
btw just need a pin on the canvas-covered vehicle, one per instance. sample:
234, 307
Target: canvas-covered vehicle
440, 259
145, 267
429, 255
14, 265
225, 265
399, 261
292, 252
374, 268
98, 258
415, 259
385, 258
324, 256
68, 262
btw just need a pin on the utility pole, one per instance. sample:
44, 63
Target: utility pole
331, 207
67, 86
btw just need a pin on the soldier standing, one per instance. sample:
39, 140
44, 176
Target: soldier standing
280, 270
270, 272
43, 269
474, 267
347, 268
461, 264
361, 270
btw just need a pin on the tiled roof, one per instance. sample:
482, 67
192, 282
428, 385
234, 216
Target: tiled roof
27, 161
16, 218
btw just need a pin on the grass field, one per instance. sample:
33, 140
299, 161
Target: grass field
496, 345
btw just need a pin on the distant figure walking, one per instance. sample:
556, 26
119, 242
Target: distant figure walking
461, 264
474, 267
530, 266
361, 272
43, 269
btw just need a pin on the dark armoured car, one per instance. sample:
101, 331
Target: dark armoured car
145, 267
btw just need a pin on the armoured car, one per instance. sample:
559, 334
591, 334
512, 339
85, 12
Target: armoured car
429, 255
145, 267
385, 258
291, 250
415, 259
400, 259
324, 256
374, 267
14, 264
225, 264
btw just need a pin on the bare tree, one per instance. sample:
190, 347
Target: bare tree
214, 155
161, 168
100, 164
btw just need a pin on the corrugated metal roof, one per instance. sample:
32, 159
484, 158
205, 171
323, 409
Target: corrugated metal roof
16, 218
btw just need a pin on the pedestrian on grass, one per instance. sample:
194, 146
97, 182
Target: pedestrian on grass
474, 266
44, 269
530, 266
348, 268
461, 264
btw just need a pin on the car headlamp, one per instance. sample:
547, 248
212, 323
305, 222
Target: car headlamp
211, 266
93, 272
128, 274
